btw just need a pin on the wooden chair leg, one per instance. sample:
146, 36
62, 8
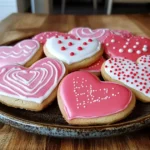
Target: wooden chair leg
109, 6
63, 5
95, 5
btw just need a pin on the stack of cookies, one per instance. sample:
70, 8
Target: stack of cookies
67, 66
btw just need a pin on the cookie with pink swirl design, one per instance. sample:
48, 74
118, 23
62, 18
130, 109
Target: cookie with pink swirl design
23, 53
42, 37
31, 88
99, 34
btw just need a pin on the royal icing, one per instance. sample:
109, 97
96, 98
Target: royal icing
21, 53
88, 97
136, 76
99, 34
31, 84
130, 48
70, 50
42, 37
96, 67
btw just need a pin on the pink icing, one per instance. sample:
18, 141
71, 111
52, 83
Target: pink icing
131, 48
136, 76
96, 67
42, 37
32, 84
100, 34
21, 53
84, 96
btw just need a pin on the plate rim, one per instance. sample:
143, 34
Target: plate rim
94, 131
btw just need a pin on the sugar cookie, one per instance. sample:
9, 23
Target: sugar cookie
76, 54
31, 88
42, 37
96, 67
130, 48
24, 53
133, 75
99, 34
83, 100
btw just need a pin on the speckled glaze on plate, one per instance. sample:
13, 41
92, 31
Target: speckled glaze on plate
50, 122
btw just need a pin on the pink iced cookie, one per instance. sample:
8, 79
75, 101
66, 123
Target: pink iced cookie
21, 53
84, 99
100, 34
42, 37
96, 67
33, 85
133, 75
131, 48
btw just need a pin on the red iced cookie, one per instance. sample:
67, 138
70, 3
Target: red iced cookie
130, 48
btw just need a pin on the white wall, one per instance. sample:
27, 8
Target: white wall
8, 7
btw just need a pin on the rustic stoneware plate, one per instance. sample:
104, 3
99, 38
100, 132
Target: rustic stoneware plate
50, 122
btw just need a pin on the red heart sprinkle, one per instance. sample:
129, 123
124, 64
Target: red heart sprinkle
72, 54
90, 40
59, 41
63, 48
80, 48
70, 44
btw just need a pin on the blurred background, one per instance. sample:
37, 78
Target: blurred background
83, 7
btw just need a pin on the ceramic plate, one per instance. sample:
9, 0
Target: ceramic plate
50, 122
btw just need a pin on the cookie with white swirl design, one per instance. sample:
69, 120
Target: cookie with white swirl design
75, 53
31, 88
23, 53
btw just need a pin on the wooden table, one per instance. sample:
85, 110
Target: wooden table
19, 26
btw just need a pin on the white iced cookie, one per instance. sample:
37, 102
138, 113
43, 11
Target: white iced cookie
76, 54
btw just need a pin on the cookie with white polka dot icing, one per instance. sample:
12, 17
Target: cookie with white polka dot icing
136, 76
83, 100
75, 53
99, 34
130, 48
42, 37
96, 67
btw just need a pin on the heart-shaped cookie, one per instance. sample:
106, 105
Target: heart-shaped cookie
34, 84
135, 76
21, 53
99, 34
84, 99
130, 48
42, 37
96, 67
75, 53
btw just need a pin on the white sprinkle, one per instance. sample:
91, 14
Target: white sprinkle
128, 39
144, 49
127, 43
124, 46
114, 47
137, 43
130, 50
121, 50
145, 46
112, 40
41, 38
134, 46
138, 52
107, 44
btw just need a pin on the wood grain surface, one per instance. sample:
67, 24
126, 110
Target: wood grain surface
19, 26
